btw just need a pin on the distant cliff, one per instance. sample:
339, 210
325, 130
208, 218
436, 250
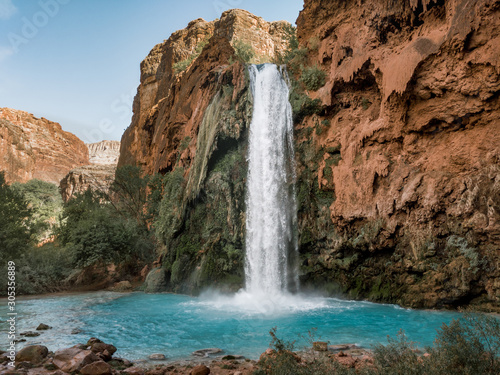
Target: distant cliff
98, 175
32, 147
104, 152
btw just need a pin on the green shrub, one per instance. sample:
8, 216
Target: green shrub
469, 345
398, 357
170, 212
96, 232
313, 78
129, 192
244, 51
44, 269
182, 65
17, 227
303, 105
46, 203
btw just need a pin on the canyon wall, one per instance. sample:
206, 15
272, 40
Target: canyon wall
32, 147
190, 122
399, 169
397, 148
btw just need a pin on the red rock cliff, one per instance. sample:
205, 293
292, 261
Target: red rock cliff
170, 105
31, 147
406, 150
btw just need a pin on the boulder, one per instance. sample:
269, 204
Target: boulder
93, 340
157, 357
122, 286
200, 370
100, 347
97, 368
33, 354
74, 359
133, 371
156, 281
43, 327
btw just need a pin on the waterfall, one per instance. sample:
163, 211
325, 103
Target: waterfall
271, 208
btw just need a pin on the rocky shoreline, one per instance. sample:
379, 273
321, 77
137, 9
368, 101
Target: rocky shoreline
96, 358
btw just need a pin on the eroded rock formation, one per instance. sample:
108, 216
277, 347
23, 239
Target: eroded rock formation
400, 171
98, 175
32, 147
104, 152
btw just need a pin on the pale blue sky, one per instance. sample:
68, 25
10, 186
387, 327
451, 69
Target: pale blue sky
77, 61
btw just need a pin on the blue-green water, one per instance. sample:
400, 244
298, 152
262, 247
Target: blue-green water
140, 324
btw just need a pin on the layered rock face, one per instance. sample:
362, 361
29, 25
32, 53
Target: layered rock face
190, 124
31, 147
165, 108
104, 152
399, 178
98, 175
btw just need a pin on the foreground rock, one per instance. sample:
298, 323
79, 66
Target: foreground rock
74, 359
86, 360
33, 353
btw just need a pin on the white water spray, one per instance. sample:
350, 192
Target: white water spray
271, 218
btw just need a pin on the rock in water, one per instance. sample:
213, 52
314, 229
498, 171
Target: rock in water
43, 327
207, 352
30, 334
157, 357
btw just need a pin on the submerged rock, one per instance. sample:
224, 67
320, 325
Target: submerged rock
157, 357
30, 334
207, 352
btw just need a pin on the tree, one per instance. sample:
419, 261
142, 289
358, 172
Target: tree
129, 192
16, 227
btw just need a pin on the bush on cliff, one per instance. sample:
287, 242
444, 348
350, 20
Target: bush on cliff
313, 78
244, 51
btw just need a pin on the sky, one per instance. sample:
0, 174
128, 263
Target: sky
76, 62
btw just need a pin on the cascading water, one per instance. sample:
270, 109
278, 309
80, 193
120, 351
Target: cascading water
271, 245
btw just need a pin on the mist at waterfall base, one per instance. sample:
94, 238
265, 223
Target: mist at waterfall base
141, 324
